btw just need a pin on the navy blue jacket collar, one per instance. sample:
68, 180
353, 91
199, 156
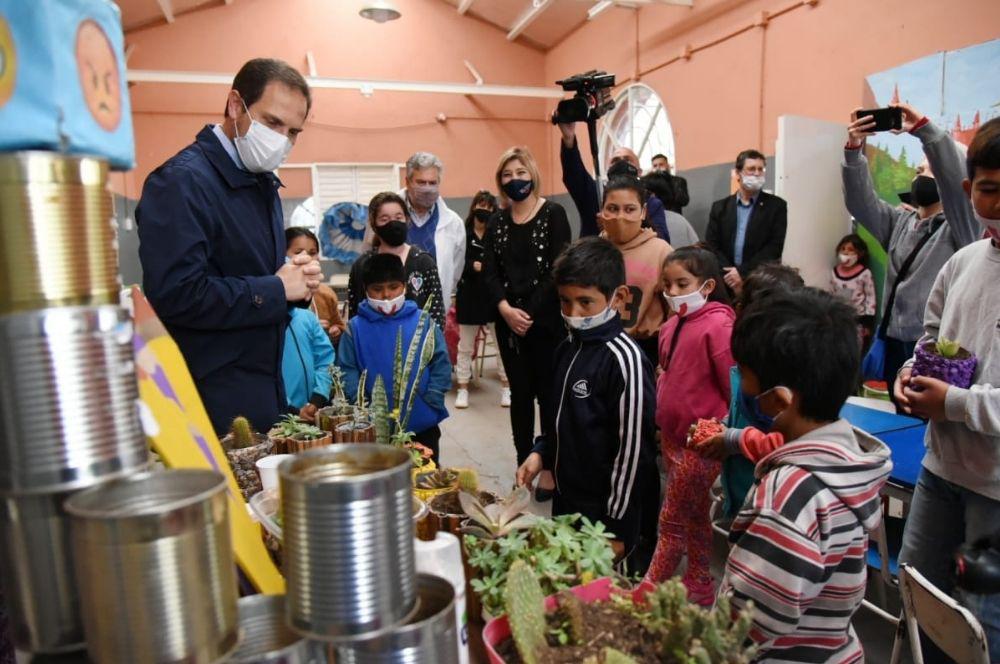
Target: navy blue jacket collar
234, 176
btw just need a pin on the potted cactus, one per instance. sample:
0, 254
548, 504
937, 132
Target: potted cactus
600, 623
243, 447
945, 360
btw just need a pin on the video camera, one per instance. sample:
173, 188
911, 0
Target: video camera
592, 98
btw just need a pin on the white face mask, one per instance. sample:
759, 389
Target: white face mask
387, 307
589, 322
753, 182
262, 149
992, 226
685, 305
847, 260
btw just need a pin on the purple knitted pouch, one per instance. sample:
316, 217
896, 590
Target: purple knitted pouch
957, 371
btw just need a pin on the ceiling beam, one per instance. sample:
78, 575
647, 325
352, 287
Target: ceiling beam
364, 86
464, 6
536, 9
167, 9
599, 8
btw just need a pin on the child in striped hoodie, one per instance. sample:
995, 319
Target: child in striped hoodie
799, 542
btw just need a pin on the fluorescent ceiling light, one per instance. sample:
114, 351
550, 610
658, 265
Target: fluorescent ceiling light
380, 11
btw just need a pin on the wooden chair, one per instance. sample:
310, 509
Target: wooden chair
951, 626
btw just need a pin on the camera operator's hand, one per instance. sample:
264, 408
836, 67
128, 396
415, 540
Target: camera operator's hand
911, 117
859, 129
568, 132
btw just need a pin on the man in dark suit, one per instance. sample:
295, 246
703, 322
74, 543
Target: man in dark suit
212, 246
678, 185
748, 228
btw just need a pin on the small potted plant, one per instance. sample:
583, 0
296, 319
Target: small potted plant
340, 409
391, 424
243, 447
307, 437
359, 428
447, 508
566, 550
598, 622
945, 360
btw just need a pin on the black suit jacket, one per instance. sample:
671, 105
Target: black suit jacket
680, 197
765, 237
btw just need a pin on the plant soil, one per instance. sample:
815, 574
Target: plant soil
606, 625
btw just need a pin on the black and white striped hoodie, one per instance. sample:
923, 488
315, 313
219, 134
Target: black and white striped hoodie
601, 443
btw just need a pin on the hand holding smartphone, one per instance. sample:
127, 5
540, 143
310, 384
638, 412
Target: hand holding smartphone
885, 119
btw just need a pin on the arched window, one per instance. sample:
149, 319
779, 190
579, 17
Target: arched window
639, 121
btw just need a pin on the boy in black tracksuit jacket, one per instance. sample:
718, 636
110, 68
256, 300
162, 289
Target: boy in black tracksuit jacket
601, 446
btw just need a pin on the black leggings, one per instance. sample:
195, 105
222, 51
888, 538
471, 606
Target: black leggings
528, 363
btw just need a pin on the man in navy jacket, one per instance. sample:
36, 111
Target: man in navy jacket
212, 246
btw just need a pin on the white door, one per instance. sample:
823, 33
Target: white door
807, 162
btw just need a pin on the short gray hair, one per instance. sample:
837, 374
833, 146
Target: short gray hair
422, 160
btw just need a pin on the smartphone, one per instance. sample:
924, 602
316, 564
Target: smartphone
886, 119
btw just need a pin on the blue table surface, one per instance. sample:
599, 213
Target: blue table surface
903, 435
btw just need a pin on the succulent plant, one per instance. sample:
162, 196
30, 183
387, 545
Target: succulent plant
242, 432
947, 348
290, 426
379, 412
437, 479
338, 396
525, 605
498, 519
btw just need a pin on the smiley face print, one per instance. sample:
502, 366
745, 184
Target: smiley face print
98, 69
8, 62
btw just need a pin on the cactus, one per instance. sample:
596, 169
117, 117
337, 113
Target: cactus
573, 611
361, 412
526, 612
243, 435
380, 412
688, 633
468, 480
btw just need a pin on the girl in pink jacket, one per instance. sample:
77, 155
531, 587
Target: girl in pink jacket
695, 359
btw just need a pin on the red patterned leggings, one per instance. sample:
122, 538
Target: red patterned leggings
685, 525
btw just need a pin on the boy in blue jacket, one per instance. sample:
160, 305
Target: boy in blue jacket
370, 344
602, 446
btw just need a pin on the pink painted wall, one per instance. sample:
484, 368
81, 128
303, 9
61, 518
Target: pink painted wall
428, 44
810, 60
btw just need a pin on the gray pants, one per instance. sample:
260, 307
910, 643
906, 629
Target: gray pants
942, 517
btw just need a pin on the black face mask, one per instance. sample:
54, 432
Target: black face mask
392, 233
622, 168
924, 191
482, 216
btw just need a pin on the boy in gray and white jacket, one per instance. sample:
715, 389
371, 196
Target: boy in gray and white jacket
942, 211
957, 498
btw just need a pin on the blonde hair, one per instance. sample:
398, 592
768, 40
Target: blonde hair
523, 155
